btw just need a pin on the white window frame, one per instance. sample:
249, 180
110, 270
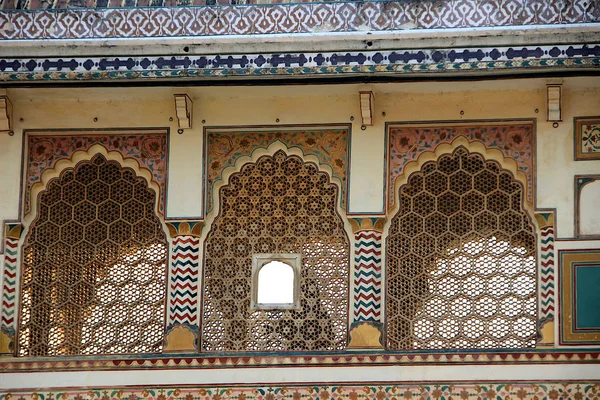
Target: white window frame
260, 260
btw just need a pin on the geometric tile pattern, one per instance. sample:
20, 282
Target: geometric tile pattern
329, 145
9, 285
149, 149
405, 61
336, 359
183, 287
580, 390
367, 276
305, 17
407, 143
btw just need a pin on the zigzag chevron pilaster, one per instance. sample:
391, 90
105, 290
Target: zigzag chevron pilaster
367, 276
547, 291
547, 297
183, 288
367, 269
547, 273
9, 286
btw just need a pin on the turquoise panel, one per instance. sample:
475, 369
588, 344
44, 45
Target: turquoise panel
587, 289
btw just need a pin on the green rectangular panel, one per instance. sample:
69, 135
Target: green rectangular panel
587, 295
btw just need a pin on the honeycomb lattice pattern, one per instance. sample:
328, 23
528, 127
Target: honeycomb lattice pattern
277, 205
94, 266
461, 270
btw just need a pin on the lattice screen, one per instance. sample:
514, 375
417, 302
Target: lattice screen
277, 205
461, 270
94, 265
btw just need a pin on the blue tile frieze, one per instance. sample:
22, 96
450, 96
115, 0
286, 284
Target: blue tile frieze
301, 64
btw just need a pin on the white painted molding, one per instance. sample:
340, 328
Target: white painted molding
301, 375
320, 41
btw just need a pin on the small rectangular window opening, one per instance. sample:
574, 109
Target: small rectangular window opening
275, 282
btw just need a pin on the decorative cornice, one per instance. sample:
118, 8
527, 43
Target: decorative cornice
305, 17
412, 61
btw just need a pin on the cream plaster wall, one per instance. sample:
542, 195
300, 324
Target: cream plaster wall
316, 104
304, 375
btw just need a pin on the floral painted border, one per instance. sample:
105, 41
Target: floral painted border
149, 149
405, 144
223, 148
437, 390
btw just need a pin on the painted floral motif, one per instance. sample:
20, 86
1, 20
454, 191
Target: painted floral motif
590, 138
406, 144
150, 150
441, 391
330, 146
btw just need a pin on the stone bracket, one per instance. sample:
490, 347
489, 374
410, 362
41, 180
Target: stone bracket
183, 109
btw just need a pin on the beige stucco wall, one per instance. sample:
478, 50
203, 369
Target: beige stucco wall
322, 104
311, 104
222, 106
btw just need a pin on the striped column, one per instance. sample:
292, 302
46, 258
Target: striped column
366, 328
8, 314
546, 291
184, 272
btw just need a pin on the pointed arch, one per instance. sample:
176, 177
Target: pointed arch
460, 256
276, 203
93, 276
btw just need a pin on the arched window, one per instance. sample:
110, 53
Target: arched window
279, 204
460, 260
275, 284
94, 265
275, 281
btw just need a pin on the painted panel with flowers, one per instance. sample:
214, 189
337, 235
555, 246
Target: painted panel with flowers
406, 143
